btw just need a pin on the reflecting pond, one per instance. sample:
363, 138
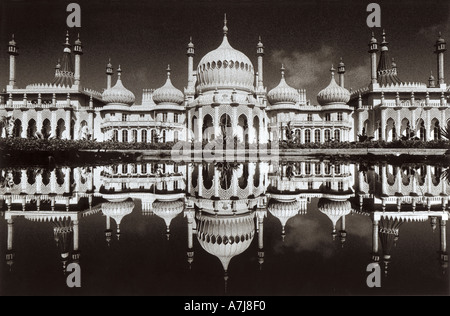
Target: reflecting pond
255, 228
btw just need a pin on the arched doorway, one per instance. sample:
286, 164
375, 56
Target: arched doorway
225, 128
32, 129
46, 129
17, 129
207, 128
60, 128
256, 129
390, 130
242, 132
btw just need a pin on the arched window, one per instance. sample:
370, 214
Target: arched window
307, 136
144, 136
115, 135
317, 136
337, 135
327, 135
124, 136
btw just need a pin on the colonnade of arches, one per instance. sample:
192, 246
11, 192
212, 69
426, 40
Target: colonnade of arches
145, 136
243, 130
45, 130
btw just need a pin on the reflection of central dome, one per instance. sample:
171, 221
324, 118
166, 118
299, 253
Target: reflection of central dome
225, 237
225, 68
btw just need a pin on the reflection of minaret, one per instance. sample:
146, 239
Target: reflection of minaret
389, 232
10, 254
63, 232
117, 210
342, 232
260, 214
108, 230
190, 214
443, 242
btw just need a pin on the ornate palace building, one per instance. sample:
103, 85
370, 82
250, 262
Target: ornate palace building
225, 97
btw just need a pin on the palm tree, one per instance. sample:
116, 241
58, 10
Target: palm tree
445, 132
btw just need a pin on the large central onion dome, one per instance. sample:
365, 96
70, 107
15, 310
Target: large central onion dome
283, 93
225, 68
118, 94
168, 94
333, 93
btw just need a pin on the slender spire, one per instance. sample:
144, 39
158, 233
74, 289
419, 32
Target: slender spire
225, 28
119, 73
168, 71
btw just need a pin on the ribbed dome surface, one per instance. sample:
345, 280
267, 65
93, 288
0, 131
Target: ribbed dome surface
118, 94
225, 68
168, 94
333, 93
225, 237
283, 93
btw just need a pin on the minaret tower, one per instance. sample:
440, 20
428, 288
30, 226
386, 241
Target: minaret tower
13, 51
439, 51
373, 49
109, 74
341, 72
78, 51
260, 54
190, 54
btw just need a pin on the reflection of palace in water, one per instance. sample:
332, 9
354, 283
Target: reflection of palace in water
225, 205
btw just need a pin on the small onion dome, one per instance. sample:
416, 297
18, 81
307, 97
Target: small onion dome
440, 39
431, 78
168, 94
12, 42
78, 41
118, 94
225, 68
226, 236
284, 210
334, 209
333, 93
283, 93
168, 210
117, 210
373, 40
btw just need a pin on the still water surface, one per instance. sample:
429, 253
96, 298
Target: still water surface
161, 228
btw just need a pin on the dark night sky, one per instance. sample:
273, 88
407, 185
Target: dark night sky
145, 36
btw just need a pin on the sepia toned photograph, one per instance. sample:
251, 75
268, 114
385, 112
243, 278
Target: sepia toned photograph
224, 152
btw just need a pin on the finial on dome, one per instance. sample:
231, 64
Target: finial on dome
225, 28
282, 71
168, 71
67, 39
332, 70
